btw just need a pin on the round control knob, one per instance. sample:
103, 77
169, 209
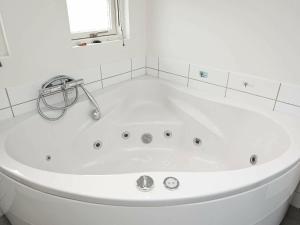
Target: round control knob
171, 183
145, 183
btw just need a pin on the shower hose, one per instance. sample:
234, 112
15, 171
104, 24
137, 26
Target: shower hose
67, 103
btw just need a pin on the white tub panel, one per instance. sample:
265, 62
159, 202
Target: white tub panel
248, 208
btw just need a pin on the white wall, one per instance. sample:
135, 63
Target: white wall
40, 43
260, 37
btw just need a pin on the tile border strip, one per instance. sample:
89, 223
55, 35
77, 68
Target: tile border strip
275, 99
226, 87
100, 80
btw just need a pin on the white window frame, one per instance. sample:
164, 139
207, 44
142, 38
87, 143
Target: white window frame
4, 50
116, 32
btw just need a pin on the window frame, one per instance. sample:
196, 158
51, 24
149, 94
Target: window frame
4, 48
115, 33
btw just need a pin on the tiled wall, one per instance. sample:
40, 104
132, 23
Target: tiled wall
256, 91
15, 101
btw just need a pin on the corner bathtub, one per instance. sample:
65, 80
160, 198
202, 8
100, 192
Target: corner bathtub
53, 174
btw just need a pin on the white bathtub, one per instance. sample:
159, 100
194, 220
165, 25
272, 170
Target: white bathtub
51, 174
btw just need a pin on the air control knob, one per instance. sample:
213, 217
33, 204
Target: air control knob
145, 183
171, 183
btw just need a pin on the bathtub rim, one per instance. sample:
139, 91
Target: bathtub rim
80, 189
143, 199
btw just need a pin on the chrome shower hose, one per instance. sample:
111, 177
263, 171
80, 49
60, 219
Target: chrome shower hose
59, 80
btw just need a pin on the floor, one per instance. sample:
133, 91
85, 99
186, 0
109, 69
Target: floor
292, 218
4, 221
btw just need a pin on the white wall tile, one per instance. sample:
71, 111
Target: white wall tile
207, 90
290, 93
29, 91
88, 74
30, 107
152, 62
116, 68
286, 108
116, 79
152, 72
25, 92
4, 103
173, 66
138, 73
250, 100
52, 100
214, 76
138, 62
94, 86
258, 86
5, 114
173, 78
24, 108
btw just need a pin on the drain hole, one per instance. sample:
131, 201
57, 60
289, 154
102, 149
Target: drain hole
197, 141
97, 145
168, 134
253, 160
147, 138
48, 158
125, 135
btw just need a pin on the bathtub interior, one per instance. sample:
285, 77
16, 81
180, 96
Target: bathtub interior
185, 134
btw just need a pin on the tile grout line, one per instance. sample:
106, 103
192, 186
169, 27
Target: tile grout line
148, 67
113, 76
146, 59
158, 67
178, 75
92, 82
227, 83
205, 82
249, 93
21, 103
188, 81
101, 76
278, 92
131, 71
287, 103
141, 68
10, 105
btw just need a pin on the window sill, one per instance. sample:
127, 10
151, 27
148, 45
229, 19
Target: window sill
88, 42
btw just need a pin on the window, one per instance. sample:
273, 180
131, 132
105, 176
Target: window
94, 19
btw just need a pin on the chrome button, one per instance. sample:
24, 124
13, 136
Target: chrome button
145, 183
171, 183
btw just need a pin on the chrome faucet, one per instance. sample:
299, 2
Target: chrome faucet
96, 114
64, 84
